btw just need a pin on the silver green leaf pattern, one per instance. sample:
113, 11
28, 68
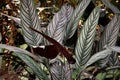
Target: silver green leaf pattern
29, 18
111, 6
60, 71
34, 66
109, 38
78, 12
98, 56
56, 28
25, 56
86, 38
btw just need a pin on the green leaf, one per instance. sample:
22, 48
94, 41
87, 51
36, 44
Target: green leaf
98, 56
109, 38
60, 71
56, 28
19, 50
24, 55
111, 6
29, 18
114, 48
78, 12
86, 38
34, 66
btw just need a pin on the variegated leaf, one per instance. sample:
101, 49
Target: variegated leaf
29, 18
41, 74
109, 37
111, 6
98, 56
86, 38
25, 56
78, 12
113, 59
56, 28
60, 71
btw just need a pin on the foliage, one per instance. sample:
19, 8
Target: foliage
34, 34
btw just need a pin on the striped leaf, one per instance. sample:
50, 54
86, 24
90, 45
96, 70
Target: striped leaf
111, 6
60, 71
72, 25
86, 38
109, 37
113, 60
29, 18
19, 50
25, 56
56, 28
34, 66
98, 56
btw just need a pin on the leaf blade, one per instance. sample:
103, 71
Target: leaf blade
78, 12
86, 38
29, 18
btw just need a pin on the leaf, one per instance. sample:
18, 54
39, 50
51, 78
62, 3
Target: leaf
19, 50
109, 37
60, 71
56, 28
17, 20
33, 65
113, 59
24, 55
78, 12
86, 38
111, 6
29, 18
50, 51
59, 47
98, 56
114, 48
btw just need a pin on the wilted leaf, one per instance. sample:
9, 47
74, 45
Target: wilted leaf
59, 47
86, 38
50, 51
